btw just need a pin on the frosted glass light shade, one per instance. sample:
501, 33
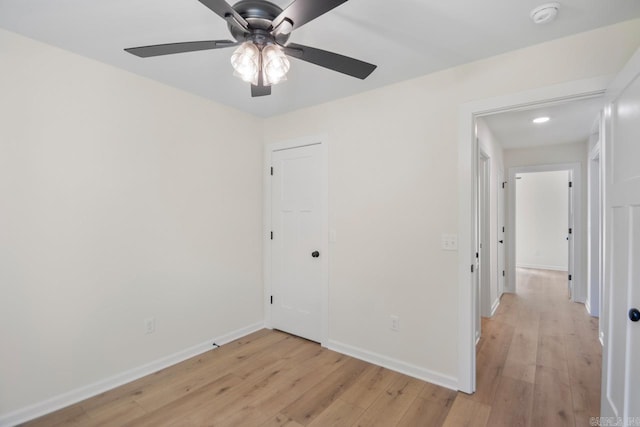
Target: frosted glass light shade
246, 62
275, 65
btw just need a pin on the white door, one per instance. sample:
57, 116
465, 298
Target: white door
570, 237
621, 351
501, 233
296, 269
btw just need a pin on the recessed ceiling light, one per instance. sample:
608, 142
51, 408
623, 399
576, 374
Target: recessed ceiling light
541, 120
544, 13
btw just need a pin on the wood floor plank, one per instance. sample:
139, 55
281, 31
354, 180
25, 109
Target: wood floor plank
513, 403
492, 359
280, 420
438, 394
521, 360
115, 413
194, 408
389, 408
425, 413
368, 387
552, 403
304, 409
338, 414
283, 392
467, 413
70, 415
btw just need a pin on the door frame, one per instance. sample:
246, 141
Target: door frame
501, 227
484, 235
574, 264
269, 148
467, 176
595, 234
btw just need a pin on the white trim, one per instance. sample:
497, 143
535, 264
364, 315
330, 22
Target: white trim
578, 289
542, 267
76, 395
466, 181
594, 246
484, 222
495, 306
321, 140
395, 365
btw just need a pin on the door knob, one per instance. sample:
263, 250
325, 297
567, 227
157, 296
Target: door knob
315, 254
634, 314
500, 241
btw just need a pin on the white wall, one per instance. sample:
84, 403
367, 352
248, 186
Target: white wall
542, 211
120, 199
490, 145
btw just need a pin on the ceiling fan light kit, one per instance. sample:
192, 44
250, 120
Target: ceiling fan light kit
261, 30
545, 13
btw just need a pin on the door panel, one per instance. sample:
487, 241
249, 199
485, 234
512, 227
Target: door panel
297, 233
621, 372
617, 326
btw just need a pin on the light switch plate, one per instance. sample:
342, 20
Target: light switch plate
449, 242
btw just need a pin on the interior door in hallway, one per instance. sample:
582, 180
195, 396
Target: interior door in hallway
621, 370
296, 217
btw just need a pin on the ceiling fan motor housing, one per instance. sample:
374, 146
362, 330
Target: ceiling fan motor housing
259, 14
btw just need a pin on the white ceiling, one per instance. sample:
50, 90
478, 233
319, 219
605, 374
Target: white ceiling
405, 38
569, 122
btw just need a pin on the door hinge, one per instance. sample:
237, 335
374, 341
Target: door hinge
272, 235
570, 184
271, 299
502, 273
472, 268
271, 170
569, 277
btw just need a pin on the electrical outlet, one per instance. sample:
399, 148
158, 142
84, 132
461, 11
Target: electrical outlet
450, 242
395, 323
149, 325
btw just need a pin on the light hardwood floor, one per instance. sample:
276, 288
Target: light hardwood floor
538, 365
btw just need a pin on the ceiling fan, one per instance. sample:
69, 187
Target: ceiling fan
261, 29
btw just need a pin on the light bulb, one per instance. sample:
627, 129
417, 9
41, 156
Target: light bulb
539, 120
246, 62
275, 65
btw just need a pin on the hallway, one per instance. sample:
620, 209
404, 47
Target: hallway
539, 358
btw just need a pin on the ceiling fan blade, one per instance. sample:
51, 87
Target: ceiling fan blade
260, 90
226, 12
171, 48
333, 61
302, 11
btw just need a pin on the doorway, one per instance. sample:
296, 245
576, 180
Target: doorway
540, 249
467, 178
542, 230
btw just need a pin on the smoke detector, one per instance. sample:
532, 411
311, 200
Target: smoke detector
545, 13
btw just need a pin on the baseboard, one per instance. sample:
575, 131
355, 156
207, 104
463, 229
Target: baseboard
542, 267
395, 365
495, 306
74, 396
